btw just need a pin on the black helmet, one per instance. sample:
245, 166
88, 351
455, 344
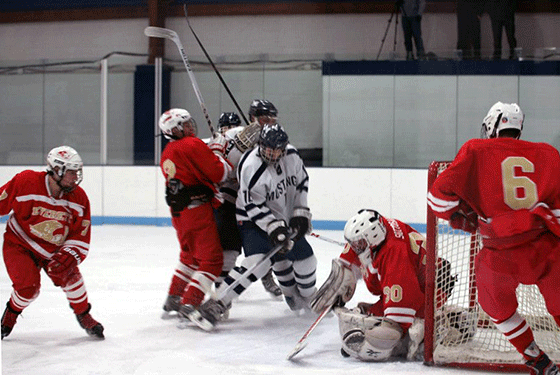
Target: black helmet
261, 107
228, 120
272, 143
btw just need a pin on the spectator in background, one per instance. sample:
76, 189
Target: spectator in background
502, 16
411, 21
469, 13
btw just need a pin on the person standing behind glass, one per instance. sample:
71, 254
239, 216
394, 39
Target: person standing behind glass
502, 16
469, 13
411, 21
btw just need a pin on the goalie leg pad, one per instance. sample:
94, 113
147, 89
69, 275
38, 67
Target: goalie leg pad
379, 336
341, 284
352, 319
355, 345
384, 336
415, 350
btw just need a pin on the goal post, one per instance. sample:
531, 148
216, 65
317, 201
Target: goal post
459, 333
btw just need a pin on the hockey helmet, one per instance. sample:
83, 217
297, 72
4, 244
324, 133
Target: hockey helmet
62, 159
272, 143
502, 116
264, 111
365, 230
180, 119
227, 121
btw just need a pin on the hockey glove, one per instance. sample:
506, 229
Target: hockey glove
279, 234
464, 219
218, 144
465, 222
62, 264
175, 196
301, 222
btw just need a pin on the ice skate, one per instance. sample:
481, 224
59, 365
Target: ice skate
297, 303
171, 307
201, 319
542, 365
92, 326
8, 320
215, 310
270, 285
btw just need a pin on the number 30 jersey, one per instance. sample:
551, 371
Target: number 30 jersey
497, 176
395, 272
42, 223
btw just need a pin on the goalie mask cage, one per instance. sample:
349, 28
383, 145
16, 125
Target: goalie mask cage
460, 334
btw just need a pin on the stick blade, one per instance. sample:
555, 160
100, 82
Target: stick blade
159, 32
298, 348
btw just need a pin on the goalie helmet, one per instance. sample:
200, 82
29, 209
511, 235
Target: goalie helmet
272, 143
62, 159
264, 111
502, 116
227, 121
365, 230
179, 119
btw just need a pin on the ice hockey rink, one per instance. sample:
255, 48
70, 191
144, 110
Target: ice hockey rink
127, 275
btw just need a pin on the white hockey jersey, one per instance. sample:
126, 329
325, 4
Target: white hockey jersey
230, 186
270, 192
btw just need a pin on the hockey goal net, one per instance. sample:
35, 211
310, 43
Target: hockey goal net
460, 334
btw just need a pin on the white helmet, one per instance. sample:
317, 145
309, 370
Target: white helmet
177, 118
502, 116
63, 158
365, 230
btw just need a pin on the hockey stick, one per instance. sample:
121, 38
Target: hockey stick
302, 343
160, 32
327, 239
251, 269
214, 66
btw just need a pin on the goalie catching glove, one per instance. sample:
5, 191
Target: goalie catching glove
301, 222
62, 264
337, 289
248, 137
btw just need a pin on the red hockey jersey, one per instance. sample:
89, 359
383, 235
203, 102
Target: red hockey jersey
396, 273
192, 162
507, 182
42, 223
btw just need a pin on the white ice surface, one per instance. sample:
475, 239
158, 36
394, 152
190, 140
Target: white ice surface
127, 275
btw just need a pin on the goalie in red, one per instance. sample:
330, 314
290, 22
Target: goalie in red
391, 256
510, 190
49, 229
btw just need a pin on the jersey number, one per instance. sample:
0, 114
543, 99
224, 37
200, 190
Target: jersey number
393, 293
169, 169
513, 185
417, 243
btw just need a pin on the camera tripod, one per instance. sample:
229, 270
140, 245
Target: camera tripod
393, 14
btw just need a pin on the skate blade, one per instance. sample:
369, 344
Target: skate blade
168, 315
197, 319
